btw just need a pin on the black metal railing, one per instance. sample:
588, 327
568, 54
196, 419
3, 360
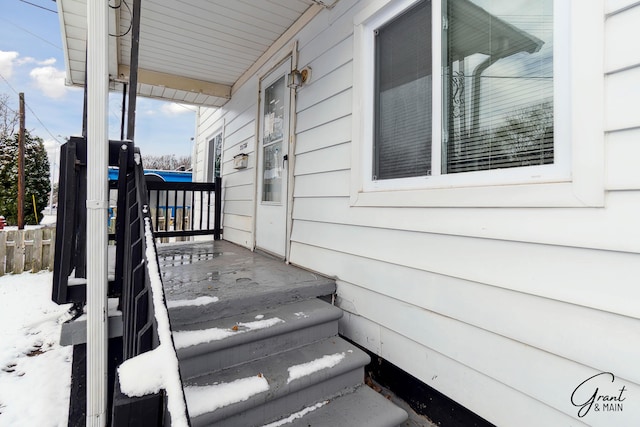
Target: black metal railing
135, 243
181, 209
176, 209
71, 223
70, 249
131, 280
139, 317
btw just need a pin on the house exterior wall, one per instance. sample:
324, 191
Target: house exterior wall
506, 310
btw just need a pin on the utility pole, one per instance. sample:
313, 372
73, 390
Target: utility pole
21, 165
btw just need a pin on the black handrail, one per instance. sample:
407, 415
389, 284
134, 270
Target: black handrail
140, 325
131, 282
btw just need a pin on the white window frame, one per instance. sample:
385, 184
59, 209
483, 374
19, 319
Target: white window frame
576, 178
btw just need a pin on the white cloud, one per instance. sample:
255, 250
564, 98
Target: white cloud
26, 60
7, 61
173, 109
49, 61
50, 81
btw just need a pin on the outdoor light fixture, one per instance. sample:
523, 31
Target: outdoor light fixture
298, 77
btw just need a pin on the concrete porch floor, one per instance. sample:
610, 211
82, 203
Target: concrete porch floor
234, 275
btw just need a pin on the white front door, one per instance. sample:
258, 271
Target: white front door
273, 149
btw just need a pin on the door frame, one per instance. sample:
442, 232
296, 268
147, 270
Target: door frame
290, 53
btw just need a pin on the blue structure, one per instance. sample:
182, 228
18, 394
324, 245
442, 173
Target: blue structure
157, 197
167, 176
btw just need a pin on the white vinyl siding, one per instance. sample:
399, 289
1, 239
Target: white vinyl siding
503, 308
237, 121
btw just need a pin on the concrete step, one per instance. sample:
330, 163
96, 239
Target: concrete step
238, 339
225, 303
356, 408
257, 392
237, 279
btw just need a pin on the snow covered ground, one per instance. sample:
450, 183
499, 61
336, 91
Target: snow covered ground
35, 371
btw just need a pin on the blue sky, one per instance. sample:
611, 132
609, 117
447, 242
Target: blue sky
31, 61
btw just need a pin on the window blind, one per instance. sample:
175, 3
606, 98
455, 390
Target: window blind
402, 141
498, 83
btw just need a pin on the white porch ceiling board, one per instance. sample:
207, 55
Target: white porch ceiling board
201, 98
181, 97
214, 41
75, 32
169, 93
77, 46
191, 97
157, 91
77, 76
76, 7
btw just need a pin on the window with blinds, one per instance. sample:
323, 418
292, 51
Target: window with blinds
497, 88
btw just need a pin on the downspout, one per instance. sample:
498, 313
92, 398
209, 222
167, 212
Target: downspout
97, 203
291, 156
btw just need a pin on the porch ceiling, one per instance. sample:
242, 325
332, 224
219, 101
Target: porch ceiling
191, 51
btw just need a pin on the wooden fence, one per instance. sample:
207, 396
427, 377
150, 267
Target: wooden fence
27, 250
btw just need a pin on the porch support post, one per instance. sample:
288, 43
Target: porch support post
97, 203
133, 70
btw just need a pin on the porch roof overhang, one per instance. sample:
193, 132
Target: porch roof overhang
191, 51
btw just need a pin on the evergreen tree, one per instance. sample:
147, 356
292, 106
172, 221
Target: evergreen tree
36, 177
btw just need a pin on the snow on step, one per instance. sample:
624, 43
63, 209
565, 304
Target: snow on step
296, 415
216, 344
304, 369
184, 339
196, 302
203, 399
286, 397
355, 408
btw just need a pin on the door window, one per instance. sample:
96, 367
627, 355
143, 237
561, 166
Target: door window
272, 140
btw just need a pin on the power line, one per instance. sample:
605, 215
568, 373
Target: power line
30, 109
38, 6
33, 34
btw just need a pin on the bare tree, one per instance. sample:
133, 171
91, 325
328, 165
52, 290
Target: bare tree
8, 117
166, 162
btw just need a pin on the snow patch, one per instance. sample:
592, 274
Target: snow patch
75, 281
48, 219
304, 369
261, 324
260, 316
35, 371
143, 374
301, 314
184, 339
112, 310
205, 300
296, 415
203, 399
